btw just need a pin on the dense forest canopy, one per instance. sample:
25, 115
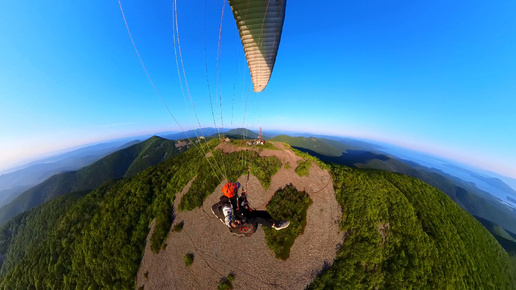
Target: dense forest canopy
399, 231
403, 233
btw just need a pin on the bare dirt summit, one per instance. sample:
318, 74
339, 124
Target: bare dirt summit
217, 253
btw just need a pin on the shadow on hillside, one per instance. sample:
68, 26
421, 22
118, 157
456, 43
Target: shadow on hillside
348, 158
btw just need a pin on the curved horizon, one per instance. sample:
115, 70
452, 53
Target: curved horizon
435, 77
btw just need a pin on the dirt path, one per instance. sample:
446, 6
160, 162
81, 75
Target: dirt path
217, 253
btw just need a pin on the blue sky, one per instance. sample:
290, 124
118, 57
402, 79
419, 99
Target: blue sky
436, 76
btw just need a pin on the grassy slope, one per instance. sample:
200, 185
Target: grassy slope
123, 162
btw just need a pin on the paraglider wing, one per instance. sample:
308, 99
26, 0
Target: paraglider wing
260, 23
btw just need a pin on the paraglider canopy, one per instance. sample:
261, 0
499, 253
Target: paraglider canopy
260, 23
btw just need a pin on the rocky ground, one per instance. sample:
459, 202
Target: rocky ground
218, 253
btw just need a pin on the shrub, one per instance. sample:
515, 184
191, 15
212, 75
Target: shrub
178, 227
303, 168
225, 282
287, 204
307, 156
189, 259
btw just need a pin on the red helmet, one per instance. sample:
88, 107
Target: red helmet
230, 189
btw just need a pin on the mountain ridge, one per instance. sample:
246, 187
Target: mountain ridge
125, 162
310, 143
239, 133
29, 175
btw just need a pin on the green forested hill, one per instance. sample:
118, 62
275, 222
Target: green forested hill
152, 152
506, 239
237, 133
98, 241
496, 230
465, 194
403, 233
28, 229
125, 162
313, 144
400, 232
